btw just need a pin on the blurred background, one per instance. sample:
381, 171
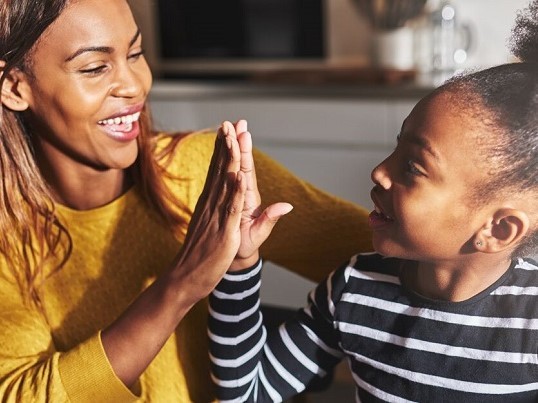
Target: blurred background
195, 37
324, 84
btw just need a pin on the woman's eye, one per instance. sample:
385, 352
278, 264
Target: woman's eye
412, 169
136, 56
94, 70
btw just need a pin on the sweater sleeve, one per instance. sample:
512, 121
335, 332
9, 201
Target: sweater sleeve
33, 370
250, 364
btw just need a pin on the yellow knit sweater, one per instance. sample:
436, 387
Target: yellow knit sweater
118, 249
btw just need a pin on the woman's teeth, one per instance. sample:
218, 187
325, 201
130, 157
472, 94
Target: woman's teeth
126, 119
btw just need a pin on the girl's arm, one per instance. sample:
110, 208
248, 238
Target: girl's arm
250, 365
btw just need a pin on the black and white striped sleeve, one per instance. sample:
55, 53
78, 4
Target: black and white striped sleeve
250, 365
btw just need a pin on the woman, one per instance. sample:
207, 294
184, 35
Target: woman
94, 212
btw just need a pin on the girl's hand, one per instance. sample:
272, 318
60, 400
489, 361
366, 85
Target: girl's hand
214, 236
256, 222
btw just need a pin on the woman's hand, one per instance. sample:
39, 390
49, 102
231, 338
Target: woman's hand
213, 237
256, 223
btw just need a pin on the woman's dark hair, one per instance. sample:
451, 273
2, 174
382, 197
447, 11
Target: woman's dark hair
32, 236
509, 93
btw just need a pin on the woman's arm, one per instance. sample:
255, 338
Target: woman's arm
250, 365
212, 240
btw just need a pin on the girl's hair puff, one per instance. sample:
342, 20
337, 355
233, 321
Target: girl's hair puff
509, 94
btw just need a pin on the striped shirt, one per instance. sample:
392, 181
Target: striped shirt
400, 346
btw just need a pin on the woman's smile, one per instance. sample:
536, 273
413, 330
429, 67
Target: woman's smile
122, 128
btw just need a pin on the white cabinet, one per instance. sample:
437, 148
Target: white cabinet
333, 142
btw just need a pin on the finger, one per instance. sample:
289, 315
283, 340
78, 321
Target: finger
234, 207
230, 134
245, 145
214, 186
267, 220
241, 126
247, 159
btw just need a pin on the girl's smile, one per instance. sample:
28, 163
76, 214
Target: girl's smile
378, 219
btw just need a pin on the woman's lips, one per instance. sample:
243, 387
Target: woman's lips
122, 128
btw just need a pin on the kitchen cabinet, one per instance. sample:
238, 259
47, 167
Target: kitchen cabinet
333, 139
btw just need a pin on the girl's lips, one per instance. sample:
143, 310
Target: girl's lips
377, 219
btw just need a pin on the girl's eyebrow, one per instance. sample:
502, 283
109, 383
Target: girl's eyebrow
102, 49
426, 145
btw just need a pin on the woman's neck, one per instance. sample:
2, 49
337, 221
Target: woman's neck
455, 281
92, 191
77, 185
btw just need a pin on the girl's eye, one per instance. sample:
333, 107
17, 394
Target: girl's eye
412, 169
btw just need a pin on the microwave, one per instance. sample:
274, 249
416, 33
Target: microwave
229, 38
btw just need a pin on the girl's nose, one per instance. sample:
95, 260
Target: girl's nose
380, 176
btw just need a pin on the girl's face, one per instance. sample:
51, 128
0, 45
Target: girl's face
87, 84
422, 190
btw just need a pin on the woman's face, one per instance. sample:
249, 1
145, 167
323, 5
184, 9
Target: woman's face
423, 188
87, 84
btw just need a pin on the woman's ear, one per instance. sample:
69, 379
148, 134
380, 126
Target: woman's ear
504, 231
13, 88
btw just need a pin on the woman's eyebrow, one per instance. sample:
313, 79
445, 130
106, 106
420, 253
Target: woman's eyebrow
101, 49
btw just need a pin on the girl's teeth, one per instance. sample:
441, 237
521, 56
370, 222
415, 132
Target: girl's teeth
378, 211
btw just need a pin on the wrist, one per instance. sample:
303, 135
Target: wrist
244, 263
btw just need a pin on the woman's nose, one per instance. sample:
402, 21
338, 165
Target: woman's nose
128, 84
380, 175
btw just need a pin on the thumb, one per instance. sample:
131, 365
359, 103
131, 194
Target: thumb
267, 220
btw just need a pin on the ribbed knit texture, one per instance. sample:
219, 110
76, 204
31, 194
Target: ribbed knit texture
118, 249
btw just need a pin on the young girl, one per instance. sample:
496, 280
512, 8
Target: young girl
446, 310
96, 275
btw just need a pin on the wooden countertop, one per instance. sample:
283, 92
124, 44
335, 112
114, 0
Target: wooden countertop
342, 84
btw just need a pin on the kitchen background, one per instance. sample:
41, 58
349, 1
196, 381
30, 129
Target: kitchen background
330, 119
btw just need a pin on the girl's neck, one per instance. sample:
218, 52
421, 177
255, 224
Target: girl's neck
454, 281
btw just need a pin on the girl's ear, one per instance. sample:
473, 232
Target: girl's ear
504, 231
13, 89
